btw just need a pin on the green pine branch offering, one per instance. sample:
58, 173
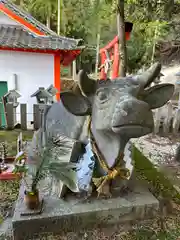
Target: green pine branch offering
47, 161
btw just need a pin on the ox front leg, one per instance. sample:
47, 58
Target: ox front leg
119, 185
105, 191
101, 185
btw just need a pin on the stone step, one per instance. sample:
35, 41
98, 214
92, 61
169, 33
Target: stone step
73, 214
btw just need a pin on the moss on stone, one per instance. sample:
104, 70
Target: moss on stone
160, 184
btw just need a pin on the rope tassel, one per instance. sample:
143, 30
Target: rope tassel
124, 173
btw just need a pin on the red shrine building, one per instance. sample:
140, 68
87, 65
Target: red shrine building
31, 54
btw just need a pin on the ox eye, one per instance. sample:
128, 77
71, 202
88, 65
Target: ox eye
102, 96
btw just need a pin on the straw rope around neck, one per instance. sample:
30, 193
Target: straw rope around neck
112, 173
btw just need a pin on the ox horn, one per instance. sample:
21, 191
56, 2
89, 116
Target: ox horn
86, 84
76, 89
149, 76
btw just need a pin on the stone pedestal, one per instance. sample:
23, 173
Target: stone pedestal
70, 215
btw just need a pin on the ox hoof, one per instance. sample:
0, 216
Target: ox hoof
105, 191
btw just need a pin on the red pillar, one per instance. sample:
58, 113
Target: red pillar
57, 80
115, 71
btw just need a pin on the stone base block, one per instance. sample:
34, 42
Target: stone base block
73, 214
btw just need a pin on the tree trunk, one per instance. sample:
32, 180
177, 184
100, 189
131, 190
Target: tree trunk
97, 55
149, 10
74, 70
59, 18
48, 21
154, 45
21, 3
168, 8
122, 38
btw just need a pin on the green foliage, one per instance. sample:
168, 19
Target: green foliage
9, 190
48, 161
140, 46
44, 8
151, 234
153, 20
65, 173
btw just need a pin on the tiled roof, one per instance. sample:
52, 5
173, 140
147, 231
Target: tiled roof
41, 92
26, 16
13, 36
19, 12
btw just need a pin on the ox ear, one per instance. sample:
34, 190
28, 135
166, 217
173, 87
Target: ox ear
76, 104
87, 85
158, 95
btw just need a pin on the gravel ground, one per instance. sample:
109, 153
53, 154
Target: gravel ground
169, 229
8, 194
161, 150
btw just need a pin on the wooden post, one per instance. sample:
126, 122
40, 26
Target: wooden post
19, 143
74, 70
157, 120
97, 55
179, 101
167, 121
14, 115
154, 45
121, 37
23, 112
36, 116
59, 18
18, 150
10, 116
176, 122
